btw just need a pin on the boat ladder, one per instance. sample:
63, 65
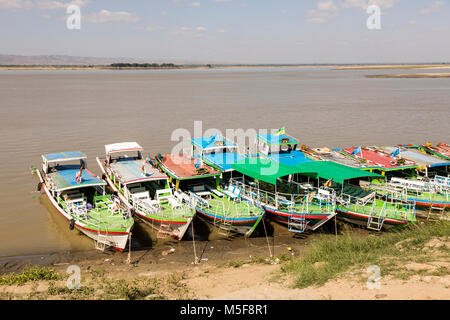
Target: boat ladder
102, 239
376, 221
164, 231
223, 226
297, 222
434, 206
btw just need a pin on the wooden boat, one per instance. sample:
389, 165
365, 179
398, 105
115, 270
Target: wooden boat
80, 197
361, 206
423, 193
145, 190
287, 200
441, 150
199, 184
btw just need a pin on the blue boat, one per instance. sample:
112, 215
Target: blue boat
216, 151
281, 148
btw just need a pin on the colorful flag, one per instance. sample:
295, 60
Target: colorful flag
395, 153
78, 177
197, 164
281, 131
356, 151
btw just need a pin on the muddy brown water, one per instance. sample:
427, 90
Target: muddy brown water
51, 111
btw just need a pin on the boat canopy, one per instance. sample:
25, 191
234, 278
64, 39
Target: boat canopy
183, 168
374, 156
419, 157
269, 171
272, 139
212, 142
134, 171
122, 147
63, 156
65, 178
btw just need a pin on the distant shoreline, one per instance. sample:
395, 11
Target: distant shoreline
405, 76
219, 66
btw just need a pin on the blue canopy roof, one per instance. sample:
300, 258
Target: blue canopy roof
212, 142
274, 139
222, 161
291, 158
64, 156
64, 178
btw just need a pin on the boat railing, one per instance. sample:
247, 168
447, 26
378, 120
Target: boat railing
324, 198
352, 203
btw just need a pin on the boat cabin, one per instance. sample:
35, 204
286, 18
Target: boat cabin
282, 148
70, 182
216, 151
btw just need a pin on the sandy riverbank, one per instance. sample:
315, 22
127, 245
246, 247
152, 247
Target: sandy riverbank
412, 76
238, 269
394, 66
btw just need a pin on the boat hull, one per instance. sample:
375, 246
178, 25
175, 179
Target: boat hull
362, 219
314, 220
115, 240
237, 225
424, 203
175, 229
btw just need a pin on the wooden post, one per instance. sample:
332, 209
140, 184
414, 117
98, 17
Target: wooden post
193, 243
129, 248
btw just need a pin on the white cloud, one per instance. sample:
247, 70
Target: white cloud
324, 12
363, 4
15, 4
164, 13
190, 31
194, 4
412, 21
222, 1
222, 30
105, 16
432, 7
52, 5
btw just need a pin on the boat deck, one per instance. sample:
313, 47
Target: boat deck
132, 170
418, 157
393, 211
441, 149
184, 168
337, 157
226, 207
379, 158
101, 217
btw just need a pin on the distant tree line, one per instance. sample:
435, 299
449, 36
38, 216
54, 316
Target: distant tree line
143, 65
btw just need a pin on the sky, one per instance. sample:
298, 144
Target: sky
231, 31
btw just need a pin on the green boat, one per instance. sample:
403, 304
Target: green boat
226, 209
80, 197
145, 190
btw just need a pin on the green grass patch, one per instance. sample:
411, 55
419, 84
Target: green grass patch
30, 273
134, 290
329, 257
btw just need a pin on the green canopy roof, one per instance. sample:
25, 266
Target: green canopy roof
269, 171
